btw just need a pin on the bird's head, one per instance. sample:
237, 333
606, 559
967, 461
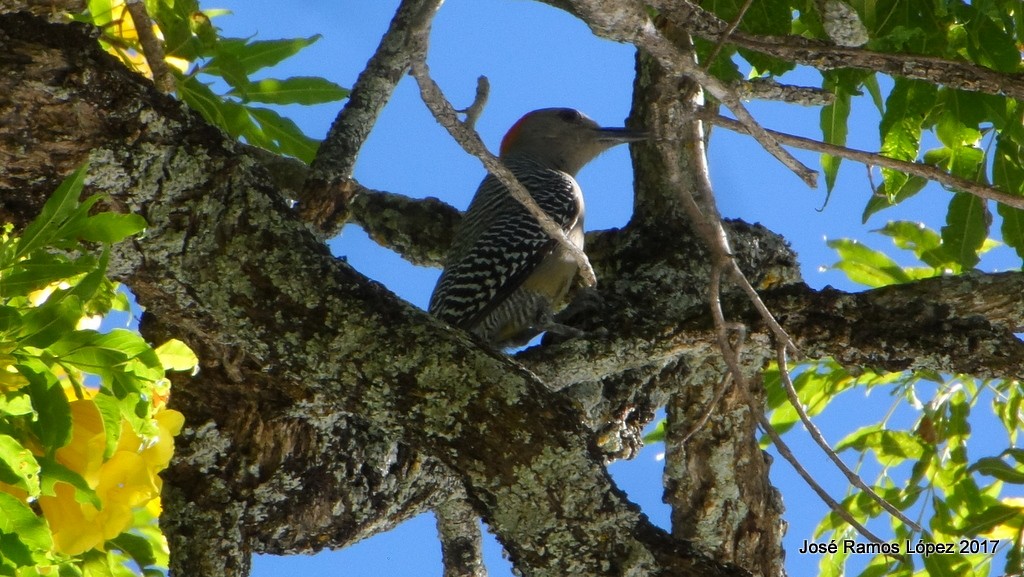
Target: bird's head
562, 138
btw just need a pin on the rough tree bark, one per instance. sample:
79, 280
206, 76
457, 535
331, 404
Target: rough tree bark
328, 410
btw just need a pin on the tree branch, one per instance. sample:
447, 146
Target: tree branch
461, 546
825, 56
329, 188
152, 47
927, 171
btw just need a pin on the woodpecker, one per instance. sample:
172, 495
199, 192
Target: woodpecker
504, 277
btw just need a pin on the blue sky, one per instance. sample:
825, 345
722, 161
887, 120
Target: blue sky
536, 56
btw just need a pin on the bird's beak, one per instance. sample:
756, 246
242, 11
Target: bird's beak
620, 135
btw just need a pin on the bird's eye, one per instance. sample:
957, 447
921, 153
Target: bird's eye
570, 115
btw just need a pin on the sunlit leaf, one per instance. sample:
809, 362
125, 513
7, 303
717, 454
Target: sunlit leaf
967, 223
253, 56
867, 266
18, 467
16, 518
296, 90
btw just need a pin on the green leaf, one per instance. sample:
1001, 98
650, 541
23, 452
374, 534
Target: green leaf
121, 357
867, 266
111, 227
110, 412
15, 403
18, 467
43, 325
96, 563
996, 467
16, 518
913, 236
991, 45
891, 447
53, 424
1008, 175
255, 56
288, 137
657, 435
53, 473
304, 90
967, 224
870, 82
58, 207
954, 565
834, 130
176, 356
36, 273
136, 547
883, 199
230, 116
900, 129
994, 516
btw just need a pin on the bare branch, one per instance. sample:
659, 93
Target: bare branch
470, 141
728, 31
152, 47
788, 455
927, 171
855, 480
473, 111
769, 89
328, 191
458, 528
825, 56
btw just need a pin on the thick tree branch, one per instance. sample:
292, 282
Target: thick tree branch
227, 265
318, 352
458, 527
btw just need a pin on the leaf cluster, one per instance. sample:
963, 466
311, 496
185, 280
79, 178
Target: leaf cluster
974, 136
83, 425
214, 74
919, 452
923, 467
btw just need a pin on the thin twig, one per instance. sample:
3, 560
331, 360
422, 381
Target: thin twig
836, 507
728, 32
152, 47
855, 480
770, 89
766, 315
873, 159
470, 141
473, 111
